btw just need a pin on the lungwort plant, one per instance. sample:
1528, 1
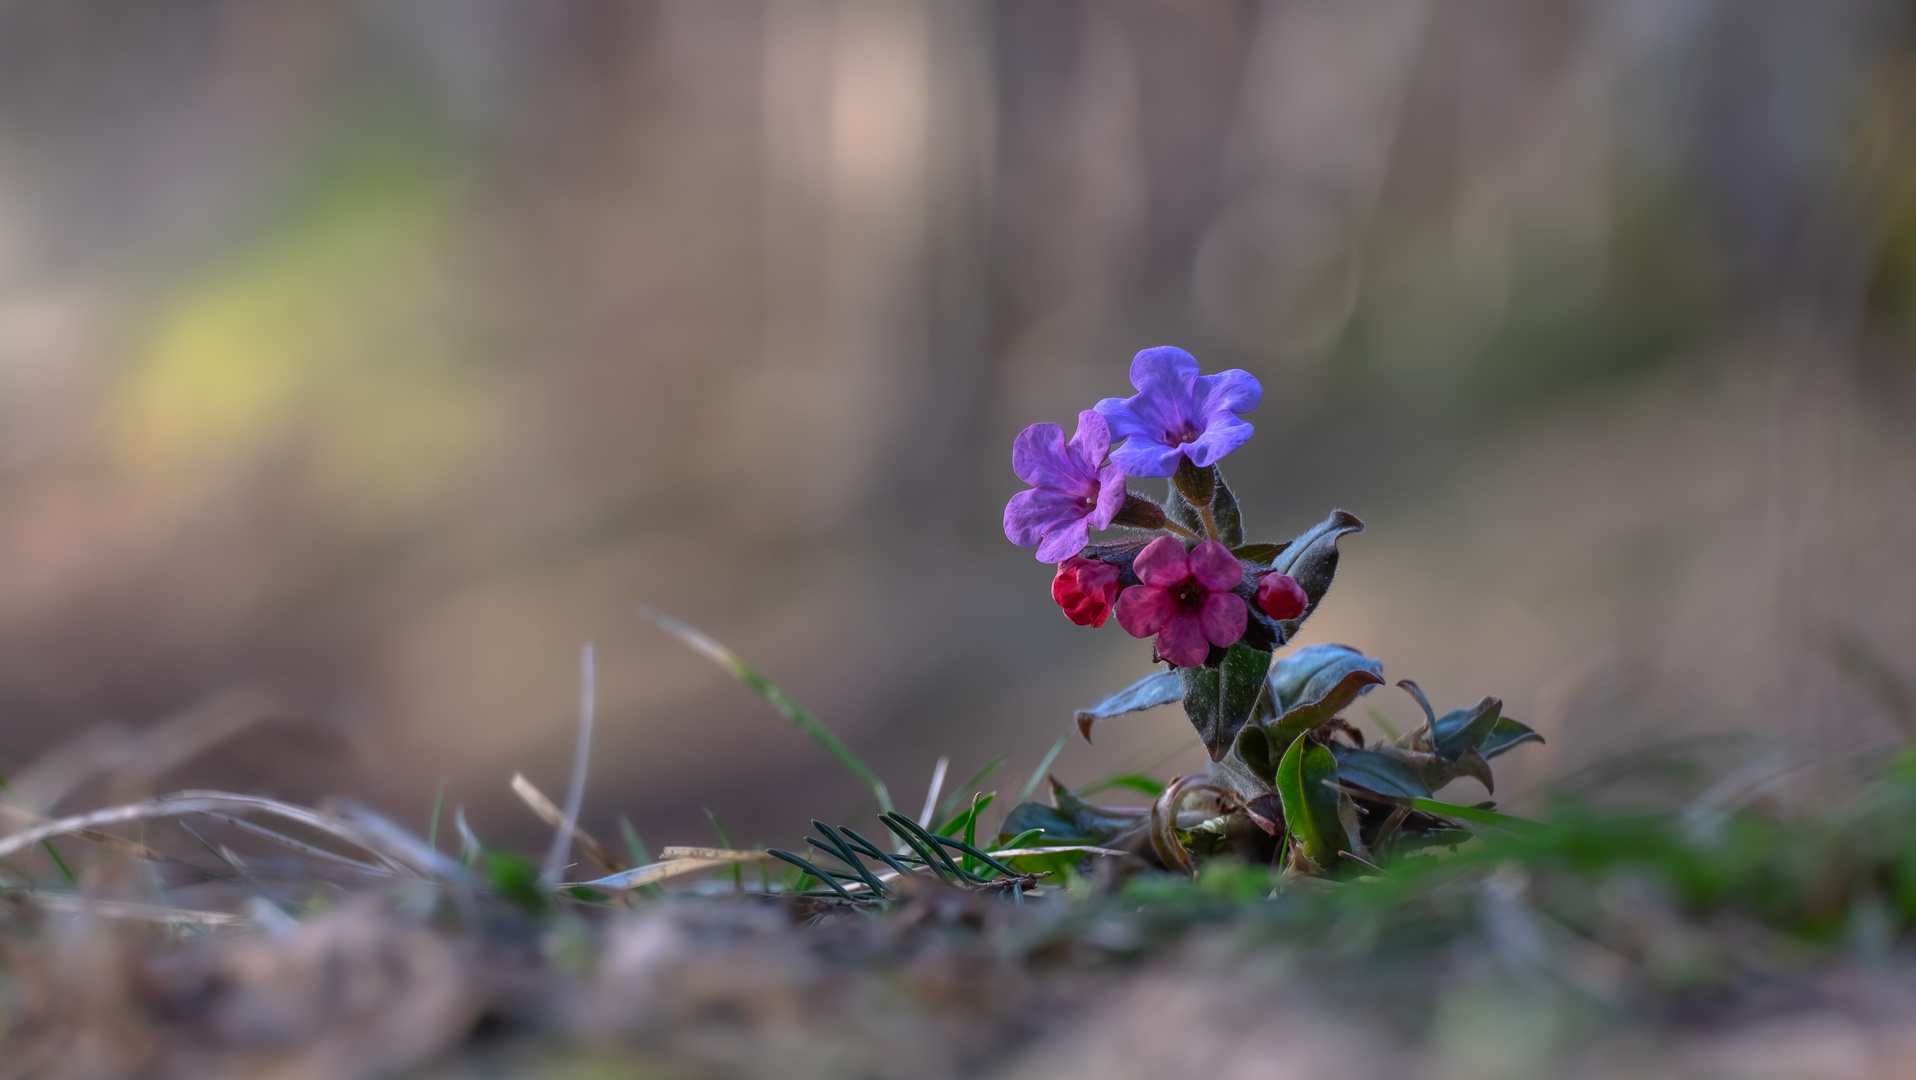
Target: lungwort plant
1290, 781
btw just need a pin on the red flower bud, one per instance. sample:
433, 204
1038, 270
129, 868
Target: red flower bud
1281, 597
1085, 588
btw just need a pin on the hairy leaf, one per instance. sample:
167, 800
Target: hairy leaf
1377, 772
1260, 555
1311, 559
1506, 734
1072, 820
1286, 729
1312, 671
1157, 688
1219, 700
1460, 730
1224, 511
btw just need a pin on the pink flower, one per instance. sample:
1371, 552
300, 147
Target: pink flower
1281, 597
1084, 588
1185, 599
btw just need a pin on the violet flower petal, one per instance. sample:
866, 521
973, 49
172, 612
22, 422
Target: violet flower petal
1162, 563
1090, 444
1040, 458
1065, 541
1220, 437
1033, 513
1232, 391
1224, 617
1215, 567
1138, 457
1182, 641
1142, 610
1111, 493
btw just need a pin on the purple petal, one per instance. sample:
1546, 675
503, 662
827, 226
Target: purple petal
1163, 369
1064, 542
1182, 641
1092, 442
1138, 457
1215, 567
1224, 618
1233, 391
1220, 438
1142, 610
1162, 562
1111, 493
1031, 514
1124, 421
1039, 457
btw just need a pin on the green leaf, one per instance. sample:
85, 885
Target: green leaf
1310, 808
1180, 510
1219, 700
965, 819
1311, 559
1224, 511
798, 714
1134, 781
1475, 815
1309, 673
1303, 717
1249, 769
1022, 839
1072, 820
1260, 554
1197, 485
1460, 730
513, 879
1377, 772
1506, 734
1157, 688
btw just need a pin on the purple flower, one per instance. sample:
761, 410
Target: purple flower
1073, 489
1177, 411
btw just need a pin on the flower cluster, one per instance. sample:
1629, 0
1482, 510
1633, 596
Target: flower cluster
1194, 586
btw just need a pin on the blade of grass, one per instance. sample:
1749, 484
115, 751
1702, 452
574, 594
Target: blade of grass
1383, 724
634, 844
738, 873
1475, 815
971, 823
1020, 839
970, 786
469, 846
1037, 774
432, 824
1133, 781
549, 813
926, 816
65, 870
968, 817
778, 699
555, 862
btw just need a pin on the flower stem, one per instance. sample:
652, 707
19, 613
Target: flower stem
1210, 525
1180, 530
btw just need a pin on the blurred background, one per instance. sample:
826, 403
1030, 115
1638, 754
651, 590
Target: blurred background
360, 361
